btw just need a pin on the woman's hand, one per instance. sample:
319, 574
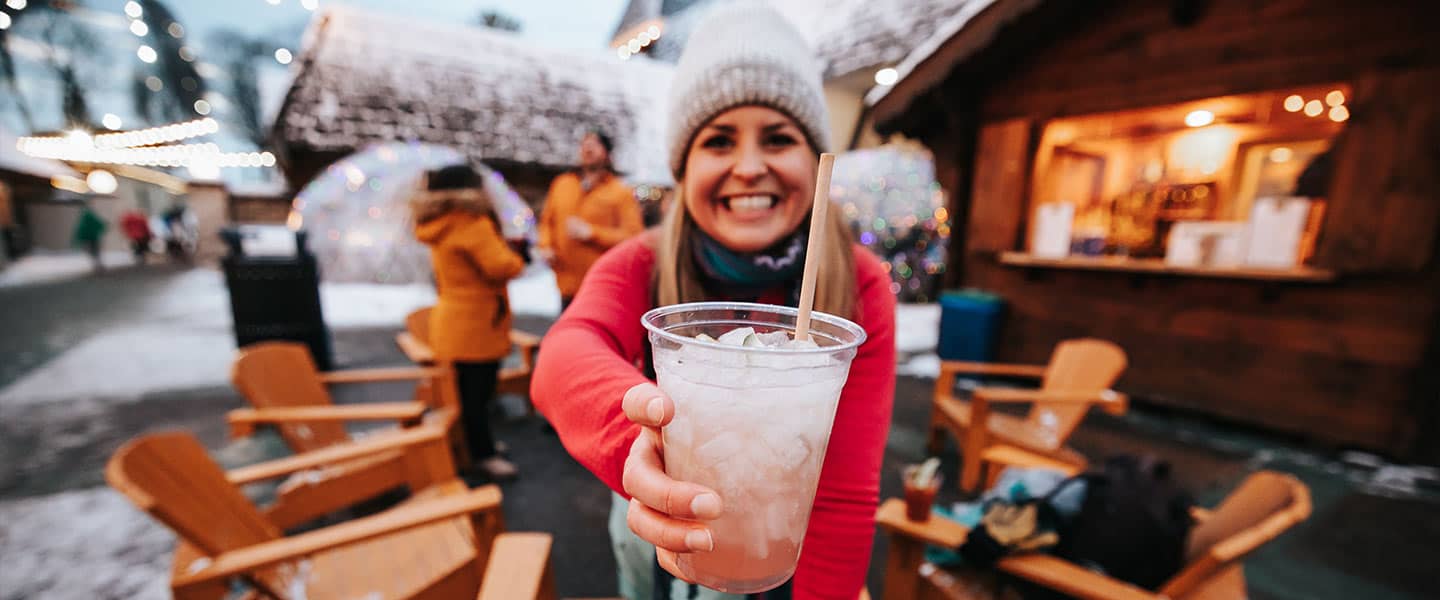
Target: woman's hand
663, 511
579, 228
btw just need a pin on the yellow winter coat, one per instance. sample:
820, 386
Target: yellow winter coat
471, 321
610, 209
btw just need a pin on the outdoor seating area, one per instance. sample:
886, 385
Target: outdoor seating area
719, 300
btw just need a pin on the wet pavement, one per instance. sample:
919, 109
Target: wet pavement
64, 535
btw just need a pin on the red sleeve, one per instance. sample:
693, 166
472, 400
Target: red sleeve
587, 361
837, 546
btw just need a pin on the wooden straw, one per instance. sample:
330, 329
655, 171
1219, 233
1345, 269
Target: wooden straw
816, 243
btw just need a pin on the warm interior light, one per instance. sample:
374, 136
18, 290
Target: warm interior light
1199, 118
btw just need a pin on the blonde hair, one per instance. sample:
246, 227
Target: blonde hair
677, 279
426, 205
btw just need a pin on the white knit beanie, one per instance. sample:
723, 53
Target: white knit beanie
744, 53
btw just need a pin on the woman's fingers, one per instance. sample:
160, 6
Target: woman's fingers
645, 479
667, 533
646, 405
669, 561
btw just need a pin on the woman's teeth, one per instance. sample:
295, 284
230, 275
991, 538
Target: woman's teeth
750, 203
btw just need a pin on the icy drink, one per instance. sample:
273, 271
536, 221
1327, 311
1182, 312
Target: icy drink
753, 410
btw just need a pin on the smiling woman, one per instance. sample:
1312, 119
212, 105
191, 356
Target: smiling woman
747, 124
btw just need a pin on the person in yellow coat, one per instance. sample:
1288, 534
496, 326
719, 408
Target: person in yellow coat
586, 213
470, 325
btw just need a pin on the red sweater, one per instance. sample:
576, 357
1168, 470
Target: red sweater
588, 359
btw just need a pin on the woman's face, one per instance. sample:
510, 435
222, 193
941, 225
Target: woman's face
749, 178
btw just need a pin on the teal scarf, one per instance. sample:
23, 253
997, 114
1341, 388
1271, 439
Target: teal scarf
750, 274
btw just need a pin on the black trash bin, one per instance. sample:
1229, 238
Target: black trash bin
275, 295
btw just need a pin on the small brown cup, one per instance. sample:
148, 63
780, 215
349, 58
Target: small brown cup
918, 499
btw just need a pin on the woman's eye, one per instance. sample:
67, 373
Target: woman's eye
780, 140
718, 142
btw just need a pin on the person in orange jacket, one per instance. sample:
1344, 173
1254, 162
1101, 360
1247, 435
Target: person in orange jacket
470, 325
586, 213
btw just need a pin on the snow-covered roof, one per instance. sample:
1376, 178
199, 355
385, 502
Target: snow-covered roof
366, 77
926, 48
847, 35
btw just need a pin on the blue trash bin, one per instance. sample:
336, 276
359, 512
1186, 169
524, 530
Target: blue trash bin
969, 323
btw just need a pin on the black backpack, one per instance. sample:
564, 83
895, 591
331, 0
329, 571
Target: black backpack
1133, 523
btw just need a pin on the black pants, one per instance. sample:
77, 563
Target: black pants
565, 302
476, 383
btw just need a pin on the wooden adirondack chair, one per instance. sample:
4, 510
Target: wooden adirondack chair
514, 379
436, 545
1264, 506
284, 389
1079, 375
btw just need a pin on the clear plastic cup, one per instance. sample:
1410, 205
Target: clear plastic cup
751, 423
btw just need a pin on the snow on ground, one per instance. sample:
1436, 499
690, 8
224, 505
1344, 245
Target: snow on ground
44, 267
181, 337
122, 552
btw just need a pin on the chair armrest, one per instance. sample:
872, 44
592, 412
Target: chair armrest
953, 367
524, 339
258, 556
243, 420
1068, 578
1109, 400
389, 441
417, 351
519, 568
937, 531
377, 375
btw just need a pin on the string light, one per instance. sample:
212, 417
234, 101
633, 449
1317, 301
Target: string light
202, 107
139, 28
283, 56
1339, 113
1199, 118
887, 76
310, 4
16, 4
154, 83
133, 10
1313, 108
4, 21
175, 30
146, 54
1335, 98
186, 54
1293, 103
111, 121
640, 41
102, 181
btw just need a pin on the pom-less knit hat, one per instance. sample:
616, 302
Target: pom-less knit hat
744, 53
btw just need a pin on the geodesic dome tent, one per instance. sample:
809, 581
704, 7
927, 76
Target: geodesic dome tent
357, 212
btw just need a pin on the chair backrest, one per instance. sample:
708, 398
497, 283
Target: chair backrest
169, 476
1265, 505
417, 323
1082, 365
281, 374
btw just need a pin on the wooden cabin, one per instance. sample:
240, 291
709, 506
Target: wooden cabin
1244, 194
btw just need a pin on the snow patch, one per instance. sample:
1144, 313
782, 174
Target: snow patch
917, 327
89, 543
